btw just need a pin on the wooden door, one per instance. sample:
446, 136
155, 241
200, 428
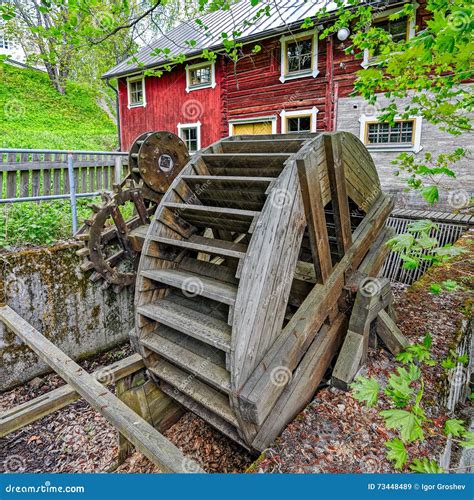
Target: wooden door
256, 128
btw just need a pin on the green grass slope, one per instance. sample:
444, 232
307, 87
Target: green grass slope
34, 115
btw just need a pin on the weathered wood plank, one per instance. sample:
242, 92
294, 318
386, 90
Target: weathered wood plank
390, 334
139, 432
31, 411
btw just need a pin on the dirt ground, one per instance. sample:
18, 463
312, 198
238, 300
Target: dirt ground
333, 434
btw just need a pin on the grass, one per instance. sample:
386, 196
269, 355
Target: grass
34, 115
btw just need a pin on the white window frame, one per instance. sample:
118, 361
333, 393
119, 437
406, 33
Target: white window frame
210, 85
197, 126
369, 61
136, 78
415, 147
313, 113
284, 40
257, 119
6, 42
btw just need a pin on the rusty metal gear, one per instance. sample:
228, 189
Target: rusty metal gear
112, 243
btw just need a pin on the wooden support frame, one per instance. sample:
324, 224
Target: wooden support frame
140, 433
31, 411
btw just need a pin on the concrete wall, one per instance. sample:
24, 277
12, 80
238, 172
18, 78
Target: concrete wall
46, 287
453, 192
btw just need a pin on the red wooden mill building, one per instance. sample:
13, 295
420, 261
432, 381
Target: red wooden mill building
295, 83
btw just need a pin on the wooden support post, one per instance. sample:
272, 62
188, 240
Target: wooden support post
390, 334
308, 174
143, 436
337, 184
372, 297
145, 398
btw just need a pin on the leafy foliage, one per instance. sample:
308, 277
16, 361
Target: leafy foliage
34, 115
366, 390
397, 452
405, 390
425, 466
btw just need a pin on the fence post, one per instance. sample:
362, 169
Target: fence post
72, 188
118, 169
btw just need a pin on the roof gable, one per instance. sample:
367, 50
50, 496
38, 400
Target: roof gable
242, 16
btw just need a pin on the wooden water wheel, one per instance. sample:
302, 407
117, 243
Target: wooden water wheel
249, 271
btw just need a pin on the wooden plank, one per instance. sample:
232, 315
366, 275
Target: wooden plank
139, 432
195, 284
31, 411
304, 382
390, 334
314, 210
337, 183
200, 392
201, 367
200, 326
348, 361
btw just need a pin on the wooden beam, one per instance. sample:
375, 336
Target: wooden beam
139, 432
390, 334
337, 185
308, 173
31, 411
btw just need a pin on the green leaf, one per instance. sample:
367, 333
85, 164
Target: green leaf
430, 194
404, 357
450, 285
397, 452
408, 424
428, 340
426, 466
455, 427
468, 440
398, 386
365, 390
448, 363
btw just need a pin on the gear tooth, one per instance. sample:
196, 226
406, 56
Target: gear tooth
95, 208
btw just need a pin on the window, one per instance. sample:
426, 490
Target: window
190, 133
399, 29
5, 43
261, 125
383, 133
299, 56
200, 76
298, 121
136, 92
403, 135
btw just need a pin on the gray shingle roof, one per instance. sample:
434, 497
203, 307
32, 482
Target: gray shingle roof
283, 15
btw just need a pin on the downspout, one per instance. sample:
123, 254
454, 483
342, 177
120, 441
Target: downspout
117, 109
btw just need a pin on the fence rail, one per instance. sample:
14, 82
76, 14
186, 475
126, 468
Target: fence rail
45, 174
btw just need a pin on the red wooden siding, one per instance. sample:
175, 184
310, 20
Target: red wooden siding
168, 103
249, 89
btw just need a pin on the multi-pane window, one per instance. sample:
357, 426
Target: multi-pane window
5, 43
136, 92
298, 124
200, 76
401, 132
397, 29
190, 137
299, 55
